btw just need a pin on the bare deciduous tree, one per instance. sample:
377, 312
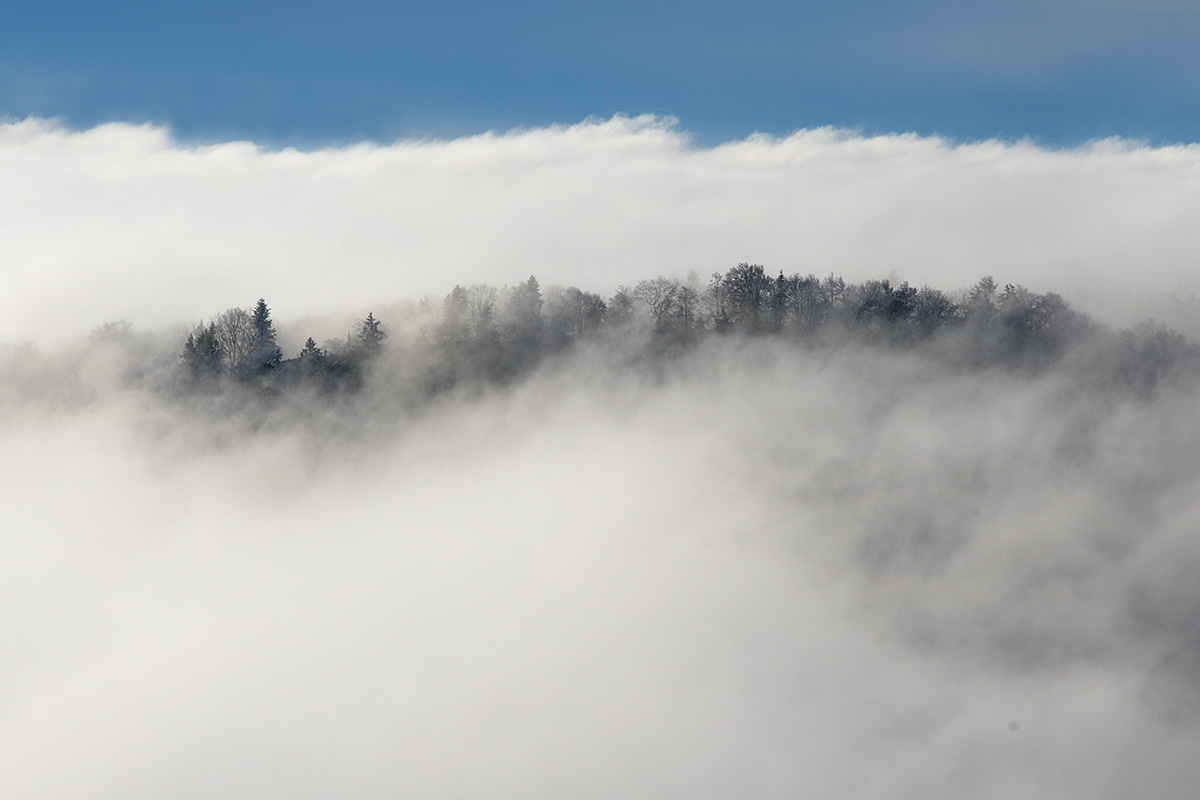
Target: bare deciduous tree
658, 295
234, 331
481, 308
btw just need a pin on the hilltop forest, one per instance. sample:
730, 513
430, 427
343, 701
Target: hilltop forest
481, 334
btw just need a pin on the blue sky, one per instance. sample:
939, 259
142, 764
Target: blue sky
303, 73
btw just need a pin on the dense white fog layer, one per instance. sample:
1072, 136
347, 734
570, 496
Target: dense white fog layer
121, 221
757, 571
646, 561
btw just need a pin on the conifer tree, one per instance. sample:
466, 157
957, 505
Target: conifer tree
264, 351
370, 336
203, 355
312, 359
311, 352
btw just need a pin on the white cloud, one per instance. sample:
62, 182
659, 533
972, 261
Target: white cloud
764, 573
121, 221
767, 572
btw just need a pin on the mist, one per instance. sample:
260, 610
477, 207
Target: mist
746, 568
126, 222
668, 556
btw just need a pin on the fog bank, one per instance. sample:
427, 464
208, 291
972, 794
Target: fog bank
760, 571
121, 221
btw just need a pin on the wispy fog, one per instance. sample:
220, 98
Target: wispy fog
123, 222
753, 569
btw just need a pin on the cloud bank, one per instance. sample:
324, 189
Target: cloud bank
749, 568
762, 572
121, 221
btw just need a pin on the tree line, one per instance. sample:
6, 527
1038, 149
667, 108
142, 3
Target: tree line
482, 332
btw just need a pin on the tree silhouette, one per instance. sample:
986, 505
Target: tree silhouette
203, 355
522, 328
659, 296
264, 352
483, 335
311, 354
370, 337
235, 333
620, 307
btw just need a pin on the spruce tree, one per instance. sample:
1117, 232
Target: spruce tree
203, 355
370, 336
264, 353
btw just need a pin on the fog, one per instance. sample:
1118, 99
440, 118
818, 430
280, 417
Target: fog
750, 569
725, 566
124, 221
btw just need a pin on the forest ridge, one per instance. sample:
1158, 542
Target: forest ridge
481, 332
